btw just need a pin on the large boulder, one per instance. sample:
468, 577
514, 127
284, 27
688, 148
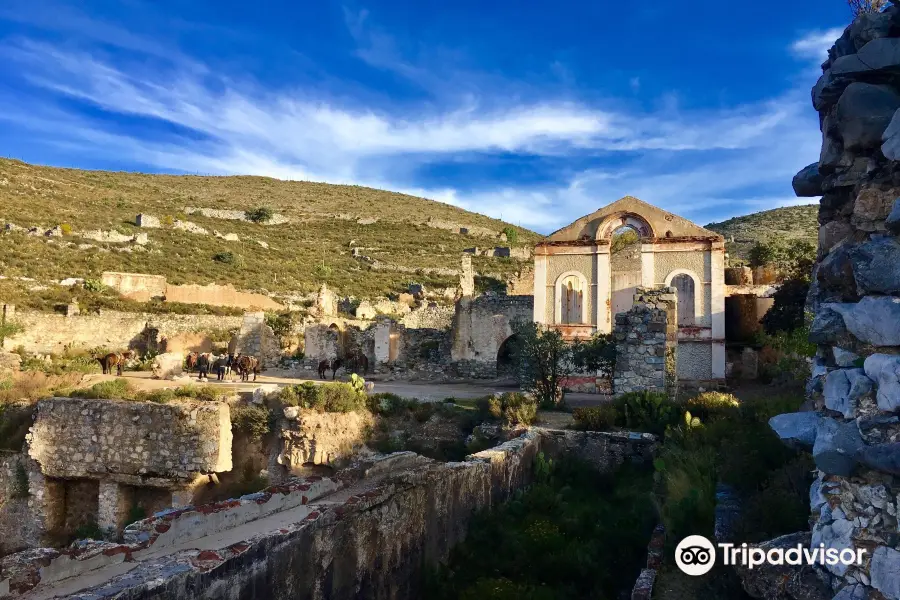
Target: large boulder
864, 113
885, 571
884, 369
797, 430
869, 26
168, 365
872, 207
782, 582
832, 233
808, 183
837, 447
835, 274
873, 320
844, 358
882, 457
827, 326
876, 266
877, 55
844, 388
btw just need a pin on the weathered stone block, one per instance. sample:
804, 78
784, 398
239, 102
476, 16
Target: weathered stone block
884, 369
844, 388
863, 113
873, 320
797, 430
808, 182
837, 447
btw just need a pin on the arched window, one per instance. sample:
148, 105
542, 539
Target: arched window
684, 285
572, 298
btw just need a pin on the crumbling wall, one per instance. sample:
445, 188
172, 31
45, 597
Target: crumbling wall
646, 346
143, 287
17, 525
312, 437
855, 436
132, 442
257, 339
480, 327
366, 533
137, 286
46, 333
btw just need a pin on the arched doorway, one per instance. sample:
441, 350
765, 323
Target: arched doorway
506, 358
336, 337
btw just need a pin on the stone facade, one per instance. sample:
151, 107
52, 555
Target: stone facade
46, 333
579, 286
856, 283
646, 343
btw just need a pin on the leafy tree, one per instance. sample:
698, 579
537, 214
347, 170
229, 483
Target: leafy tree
622, 239
544, 360
512, 236
9, 329
762, 254
598, 354
788, 311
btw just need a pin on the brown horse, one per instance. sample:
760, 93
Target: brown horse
114, 359
246, 365
190, 361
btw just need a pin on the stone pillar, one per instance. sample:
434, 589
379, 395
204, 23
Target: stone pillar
646, 343
540, 288
382, 336
113, 505
467, 277
603, 307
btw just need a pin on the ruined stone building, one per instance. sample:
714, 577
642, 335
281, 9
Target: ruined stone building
580, 284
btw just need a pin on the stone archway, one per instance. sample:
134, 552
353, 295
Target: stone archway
506, 359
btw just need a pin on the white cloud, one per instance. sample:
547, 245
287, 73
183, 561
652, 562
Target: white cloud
814, 45
687, 161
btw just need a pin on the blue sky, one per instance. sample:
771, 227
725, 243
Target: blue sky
535, 112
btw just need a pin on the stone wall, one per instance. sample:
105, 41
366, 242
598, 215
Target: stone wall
257, 339
480, 327
46, 333
646, 346
130, 442
17, 527
856, 378
142, 287
367, 532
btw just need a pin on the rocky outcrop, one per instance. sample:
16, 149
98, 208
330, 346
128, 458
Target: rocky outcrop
310, 437
856, 299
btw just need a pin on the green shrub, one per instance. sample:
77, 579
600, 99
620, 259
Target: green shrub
261, 214
159, 396
687, 476
326, 397
645, 411
387, 404
512, 236
9, 329
512, 408
710, 405
251, 420
93, 285
595, 418
114, 389
224, 258
518, 409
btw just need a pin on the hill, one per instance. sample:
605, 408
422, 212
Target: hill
398, 238
783, 224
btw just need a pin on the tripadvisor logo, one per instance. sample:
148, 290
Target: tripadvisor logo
696, 555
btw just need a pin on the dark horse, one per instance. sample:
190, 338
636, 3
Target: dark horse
114, 359
357, 362
247, 364
334, 364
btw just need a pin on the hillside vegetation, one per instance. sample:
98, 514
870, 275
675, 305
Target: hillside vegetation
780, 224
314, 245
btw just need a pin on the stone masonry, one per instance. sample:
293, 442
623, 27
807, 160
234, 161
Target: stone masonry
855, 295
646, 343
257, 339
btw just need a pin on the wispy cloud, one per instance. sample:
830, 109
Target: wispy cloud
814, 45
697, 162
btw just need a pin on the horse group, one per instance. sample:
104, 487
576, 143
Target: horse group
354, 361
224, 366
